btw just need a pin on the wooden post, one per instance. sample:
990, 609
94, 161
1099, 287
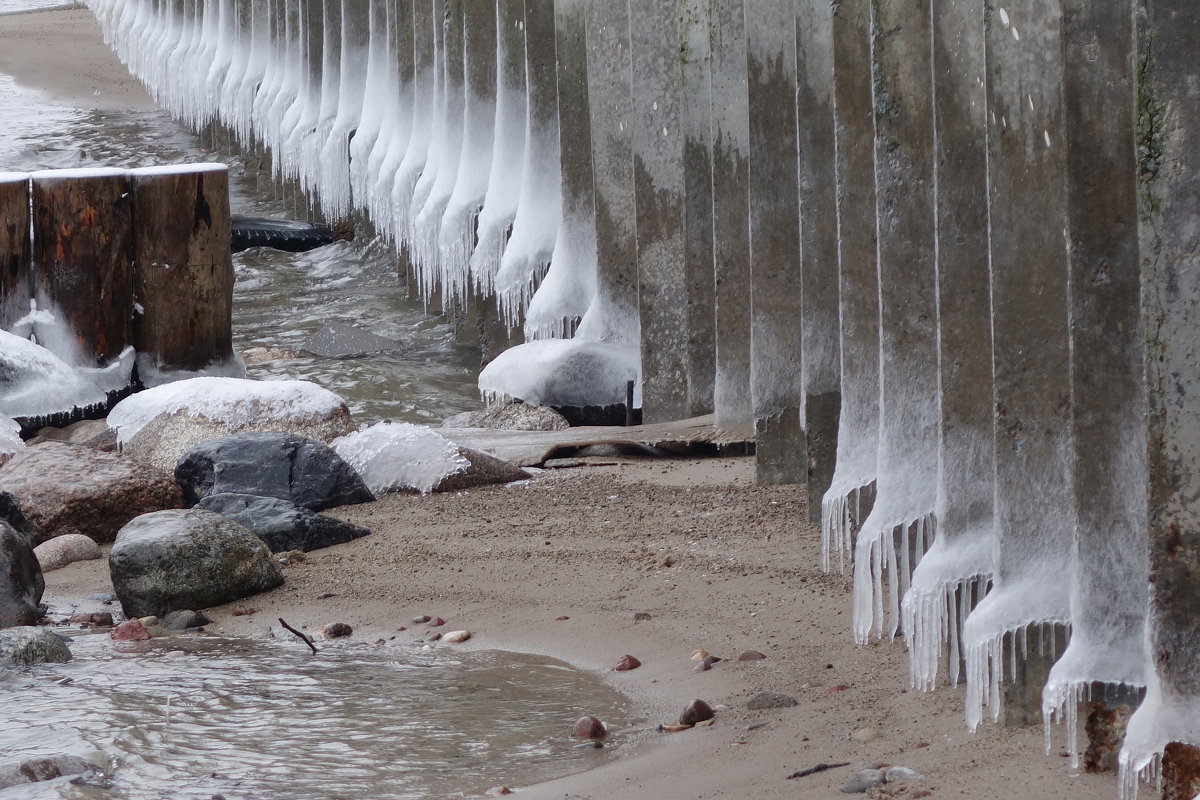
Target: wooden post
183, 274
16, 284
83, 247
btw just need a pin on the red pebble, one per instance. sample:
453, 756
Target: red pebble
841, 687
561, 619
436, 622
626, 663
130, 631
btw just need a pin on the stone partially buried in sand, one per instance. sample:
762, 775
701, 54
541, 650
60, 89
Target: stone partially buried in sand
65, 488
194, 559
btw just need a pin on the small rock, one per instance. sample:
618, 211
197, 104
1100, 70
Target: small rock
56, 553
699, 655
130, 631
561, 619
751, 655
588, 727
243, 611
901, 774
641, 616
626, 663
421, 620
334, 630
436, 622
455, 637
30, 645
864, 735
176, 653
98, 618
697, 711
148, 621
863, 780
434, 637
765, 700
499, 791
103, 597
182, 620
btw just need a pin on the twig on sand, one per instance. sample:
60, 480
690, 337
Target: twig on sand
805, 772
303, 638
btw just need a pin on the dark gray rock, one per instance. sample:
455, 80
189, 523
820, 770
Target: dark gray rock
339, 340
30, 645
764, 700
21, 582
67, 488
281, 524
173, 560
281, 465
182, 620
10, 512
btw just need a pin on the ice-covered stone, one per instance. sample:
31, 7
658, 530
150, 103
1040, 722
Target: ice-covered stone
34, 382
394, 456
563, 372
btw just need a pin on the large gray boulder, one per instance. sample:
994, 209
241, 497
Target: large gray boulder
281, 465
21, 582
66, 488
172, 560
281, 524
29, 645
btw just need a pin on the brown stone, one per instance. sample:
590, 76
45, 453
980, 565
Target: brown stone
482, 470
334, 630
99, 618
697, 711
626, 663
751, 655
65, 488
588, 727
130, 631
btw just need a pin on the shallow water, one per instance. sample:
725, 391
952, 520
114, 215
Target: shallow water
280, 299
266, 719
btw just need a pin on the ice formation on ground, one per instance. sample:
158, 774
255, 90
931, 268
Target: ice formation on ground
562, 372
36, 382
399, 456
233, 401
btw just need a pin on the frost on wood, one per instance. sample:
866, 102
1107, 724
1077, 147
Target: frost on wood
393, 456
236, 402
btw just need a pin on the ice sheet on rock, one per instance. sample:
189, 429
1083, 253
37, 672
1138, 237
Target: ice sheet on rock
230, 400
35, 382
399, 456
563, 372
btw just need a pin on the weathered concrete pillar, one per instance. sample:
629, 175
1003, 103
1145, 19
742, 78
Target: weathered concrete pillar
659, 197
16, 282
614, 315
775, 290
183, 272
847, 502
1034, 500
954, 574
731, 213
818, 246
899, 529
696, 61
1166, 85
82, 254
1109, 569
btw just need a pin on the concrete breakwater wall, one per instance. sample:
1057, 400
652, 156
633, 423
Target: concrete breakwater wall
941, 253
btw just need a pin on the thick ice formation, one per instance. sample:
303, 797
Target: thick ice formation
562, 372
399, 456
35, 382
230, 400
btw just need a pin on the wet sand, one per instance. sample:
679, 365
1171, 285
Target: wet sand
716, 562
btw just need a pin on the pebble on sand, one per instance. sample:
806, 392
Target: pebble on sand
334, 630
130, 631
588, 727
626, 663
454, 637
97, 618
696, 711
751, 655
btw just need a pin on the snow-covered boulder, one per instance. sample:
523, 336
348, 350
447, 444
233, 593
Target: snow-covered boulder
562, 372
34, 382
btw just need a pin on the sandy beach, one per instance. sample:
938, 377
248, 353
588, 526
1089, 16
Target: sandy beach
716, 563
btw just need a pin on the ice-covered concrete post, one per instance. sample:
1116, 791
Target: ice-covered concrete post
183, 272
899, 529
848, 500
83, 257
1167, 74
16, 282
731, 221
1035, 505
1104, 661
611, 100
818, 245
956, 570
775, 357
659, 202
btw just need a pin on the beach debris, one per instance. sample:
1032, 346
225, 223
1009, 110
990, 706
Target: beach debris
302, 636
455, 637
765, 700
673, 728
696, 711
626, 663
130, 631
588, 727
751, 655
334, 630
822, 767
864, 735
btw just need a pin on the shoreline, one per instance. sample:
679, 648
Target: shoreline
718, 563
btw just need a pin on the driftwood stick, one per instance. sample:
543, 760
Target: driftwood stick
303, 638
811, 770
